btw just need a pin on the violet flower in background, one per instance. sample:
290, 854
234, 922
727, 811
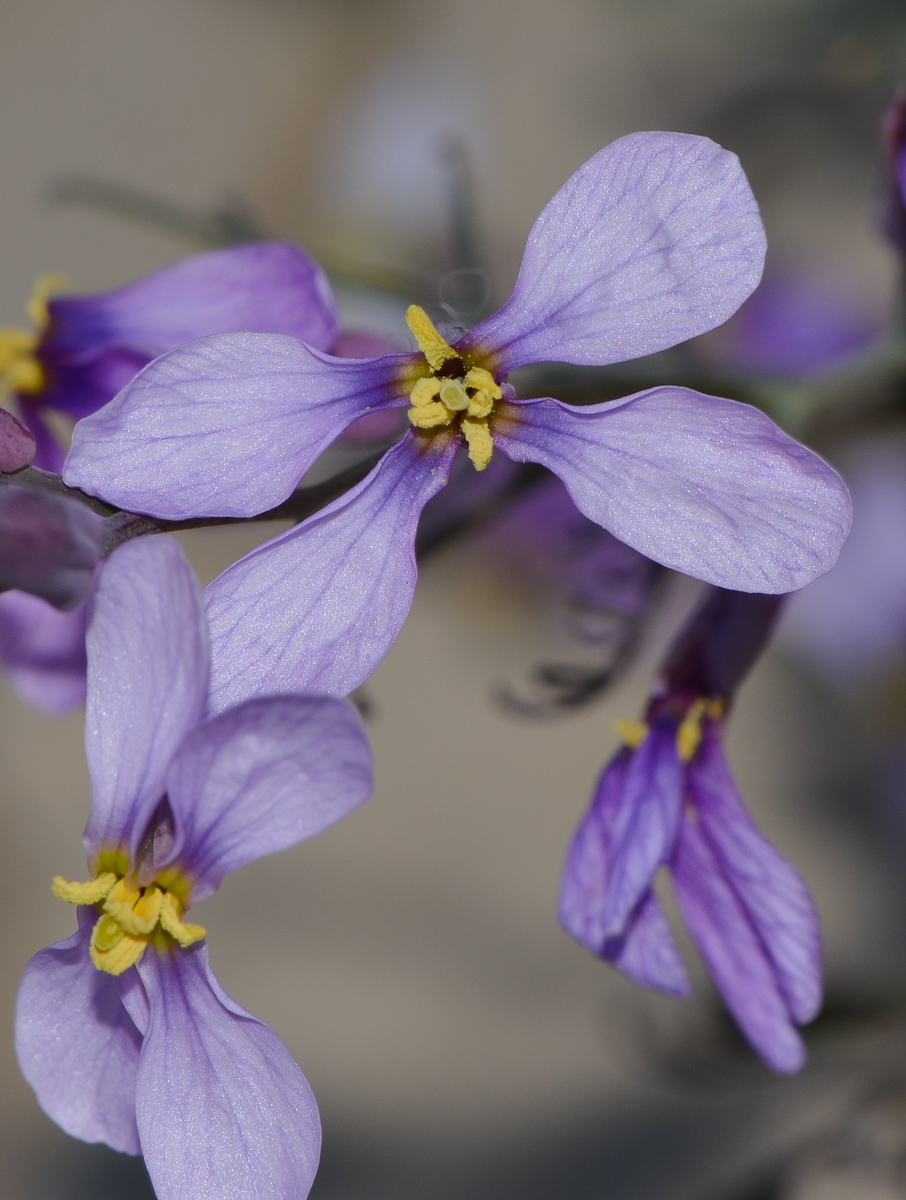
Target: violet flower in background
122, 1029
668, 799
654, 240
85, 348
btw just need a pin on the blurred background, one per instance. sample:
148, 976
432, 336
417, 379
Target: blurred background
459, 1044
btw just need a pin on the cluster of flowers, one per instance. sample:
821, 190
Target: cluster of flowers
216, 728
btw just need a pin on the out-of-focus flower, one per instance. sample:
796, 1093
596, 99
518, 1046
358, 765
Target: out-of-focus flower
49, 546
850, 625
799, 321
654, 240
84, 349
17, 444
893, 134
668, 799
122, 1029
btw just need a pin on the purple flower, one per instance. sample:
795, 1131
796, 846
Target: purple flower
668, 799
654, 240
84, 349
122, 1029
17, 444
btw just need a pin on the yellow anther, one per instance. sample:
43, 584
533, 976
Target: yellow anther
479, 440
424, 391
83, 893
689, 733
171, 922
453, 394
631, 733
483, 380
134, 911
481, 405
432, 345
20, 370
430, 416
112, 950
44, 287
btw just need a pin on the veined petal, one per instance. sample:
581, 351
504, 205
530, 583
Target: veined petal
733, 953
706, 486
222, 1109
261, 777
644, 825
772, 893
147, 683
225, 426
317, 608
43, 650
655, 239
646, 953
76, 1044
264, 287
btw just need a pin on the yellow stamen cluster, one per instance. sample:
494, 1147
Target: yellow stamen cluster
451, 393
689, 731
130, 917
20, 369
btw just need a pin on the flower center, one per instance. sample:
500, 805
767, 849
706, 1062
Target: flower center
130, 917
21, 370
452, 394
688, 732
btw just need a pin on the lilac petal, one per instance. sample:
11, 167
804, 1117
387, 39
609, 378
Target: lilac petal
80, 387
733, 953
317, 608
706, 486
43, 651
772, 893
147, 683
646, 953
261, 777
644, 825
17, 444
76, 1044
225, 426
49, 546
49, 454
265, 287
223, 1111
656, 239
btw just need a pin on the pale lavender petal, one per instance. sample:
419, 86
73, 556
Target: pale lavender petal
265, 287
49, 546
43, 650
317, 608
772, 893
225, 426
76, 1044
646, 953
222, 1109
733, 953
706, 486
655, 239
147, 683
261, 777
17, 444
644, 825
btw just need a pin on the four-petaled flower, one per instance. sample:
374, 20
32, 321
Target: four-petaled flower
667, 799
122, 1030
655, 239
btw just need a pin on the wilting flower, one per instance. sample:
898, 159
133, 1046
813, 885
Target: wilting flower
654, 240
122, 1029
79, 354
667, 799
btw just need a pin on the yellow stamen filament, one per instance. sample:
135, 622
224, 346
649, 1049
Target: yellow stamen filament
689, 733
631, 733
129, 918
438, 402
